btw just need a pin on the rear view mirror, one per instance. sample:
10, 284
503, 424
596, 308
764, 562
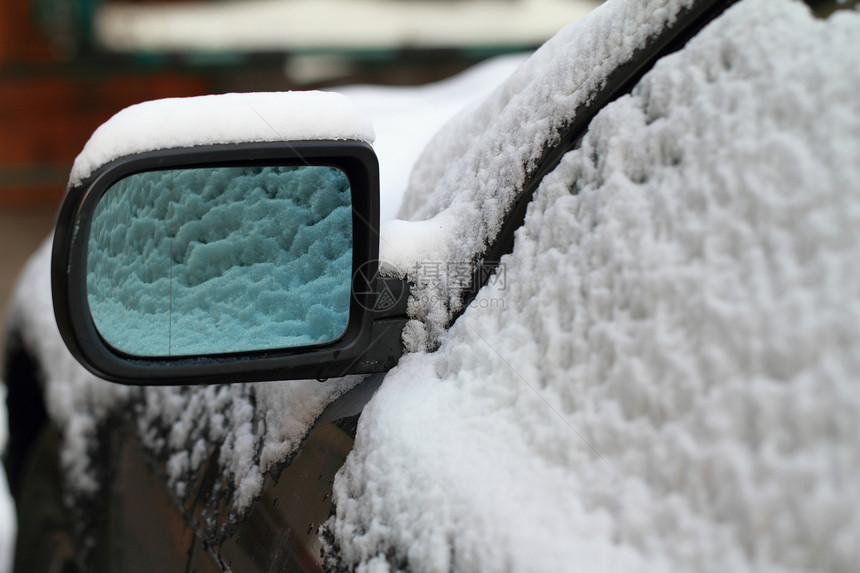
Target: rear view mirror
214, 260
226, 263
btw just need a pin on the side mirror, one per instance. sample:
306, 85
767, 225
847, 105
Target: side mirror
227, 263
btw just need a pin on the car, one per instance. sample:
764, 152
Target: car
615, 326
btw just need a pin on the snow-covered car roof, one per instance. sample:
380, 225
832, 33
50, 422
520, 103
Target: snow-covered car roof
666, 378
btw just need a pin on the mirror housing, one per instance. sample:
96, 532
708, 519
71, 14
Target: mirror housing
370, 341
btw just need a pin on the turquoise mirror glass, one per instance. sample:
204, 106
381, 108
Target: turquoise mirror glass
203, 261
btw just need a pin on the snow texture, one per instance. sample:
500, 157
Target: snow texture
472, 171
670, 382
214, 260
220, 119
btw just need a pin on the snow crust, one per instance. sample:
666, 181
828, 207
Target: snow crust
670, 382
213, 260
219, 119
474, 168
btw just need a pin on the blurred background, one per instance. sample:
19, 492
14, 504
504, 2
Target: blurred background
66, 66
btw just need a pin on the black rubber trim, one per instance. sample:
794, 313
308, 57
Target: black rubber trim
620, 82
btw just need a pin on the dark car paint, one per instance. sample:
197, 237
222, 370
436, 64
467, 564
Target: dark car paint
25, 404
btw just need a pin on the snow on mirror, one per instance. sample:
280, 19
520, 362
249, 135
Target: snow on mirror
215, 260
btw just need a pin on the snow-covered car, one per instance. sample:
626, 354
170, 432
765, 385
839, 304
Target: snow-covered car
626, 294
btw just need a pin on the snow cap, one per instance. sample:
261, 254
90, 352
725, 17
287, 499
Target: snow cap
219, 119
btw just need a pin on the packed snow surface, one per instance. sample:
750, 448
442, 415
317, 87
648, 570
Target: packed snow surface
214, 260
220, 119
669, 380
473, 170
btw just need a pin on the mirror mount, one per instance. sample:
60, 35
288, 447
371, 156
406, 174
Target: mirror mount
389, 310
370, 341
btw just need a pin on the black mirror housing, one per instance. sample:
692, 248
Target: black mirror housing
369, 342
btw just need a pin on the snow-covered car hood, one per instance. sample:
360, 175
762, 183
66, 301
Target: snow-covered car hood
667, 376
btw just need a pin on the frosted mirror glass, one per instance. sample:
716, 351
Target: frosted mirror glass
224, 259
